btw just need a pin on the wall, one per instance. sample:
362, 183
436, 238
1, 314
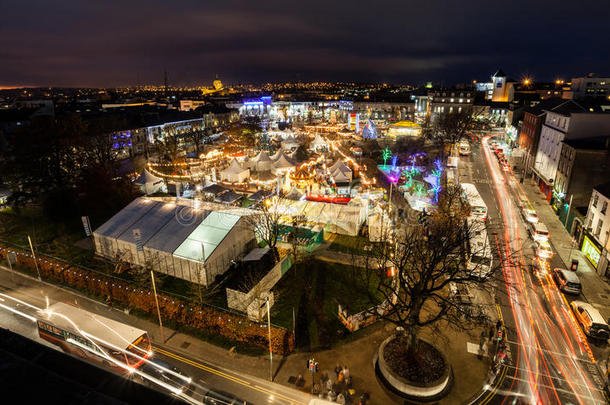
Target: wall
241, 301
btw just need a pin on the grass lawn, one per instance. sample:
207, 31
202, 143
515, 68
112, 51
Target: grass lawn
314, 294
51, 238
349, 244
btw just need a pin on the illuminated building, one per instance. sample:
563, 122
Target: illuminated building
404, 128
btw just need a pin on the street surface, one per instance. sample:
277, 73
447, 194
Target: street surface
19, 295
551, 360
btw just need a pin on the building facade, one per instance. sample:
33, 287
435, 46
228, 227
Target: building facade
567, 121
583, 163
590, 86
596, 240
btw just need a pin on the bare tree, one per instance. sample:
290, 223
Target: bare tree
413, 277
266, 223
449, 128
197, 137
168, 145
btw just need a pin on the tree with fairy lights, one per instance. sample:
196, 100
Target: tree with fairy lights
386, 154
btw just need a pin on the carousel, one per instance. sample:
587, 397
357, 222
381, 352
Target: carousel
302, 177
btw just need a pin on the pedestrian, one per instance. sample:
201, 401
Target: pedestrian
345, 373
324, 376
498, 325
482, 340
337, 369
492, 332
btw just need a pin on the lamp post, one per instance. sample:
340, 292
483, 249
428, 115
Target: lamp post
270, 347
152, 277
34, 256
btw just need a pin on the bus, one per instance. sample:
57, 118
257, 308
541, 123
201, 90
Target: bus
479, 257
478, 209
114, 344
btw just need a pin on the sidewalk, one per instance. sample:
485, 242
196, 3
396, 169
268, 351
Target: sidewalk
595, 288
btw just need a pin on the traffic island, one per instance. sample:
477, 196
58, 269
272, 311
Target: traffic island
422, 376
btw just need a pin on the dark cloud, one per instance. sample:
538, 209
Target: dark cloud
120, 43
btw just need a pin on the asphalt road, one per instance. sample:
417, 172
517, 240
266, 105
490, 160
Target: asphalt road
550, 361
205, 376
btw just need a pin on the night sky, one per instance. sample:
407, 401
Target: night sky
115, 43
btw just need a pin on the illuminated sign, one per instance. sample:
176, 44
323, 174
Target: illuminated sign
591, 251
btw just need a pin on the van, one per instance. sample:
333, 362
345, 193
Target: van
567, 281
538, 231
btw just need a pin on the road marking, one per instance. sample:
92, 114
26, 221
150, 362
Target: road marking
224, 375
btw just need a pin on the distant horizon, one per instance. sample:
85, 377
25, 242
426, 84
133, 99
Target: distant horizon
252, 83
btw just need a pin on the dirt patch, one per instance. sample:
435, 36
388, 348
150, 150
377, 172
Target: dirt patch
424, 365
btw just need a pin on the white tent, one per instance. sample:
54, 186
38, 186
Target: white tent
380, 225
318, 144
149, 183
235, 173
282, 164
290, 142
294, 194
189, 243
340, 172
262, 162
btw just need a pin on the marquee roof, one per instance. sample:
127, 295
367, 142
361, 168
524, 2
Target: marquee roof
209, 234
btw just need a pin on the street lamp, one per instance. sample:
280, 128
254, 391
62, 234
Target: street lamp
269, 330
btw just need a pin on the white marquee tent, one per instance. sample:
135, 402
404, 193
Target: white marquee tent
149, 183
235, 173
262, 162
173, 238
340, 172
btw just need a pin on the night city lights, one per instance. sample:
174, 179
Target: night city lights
308, 203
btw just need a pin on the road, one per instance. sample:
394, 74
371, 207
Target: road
551, 360
204, 375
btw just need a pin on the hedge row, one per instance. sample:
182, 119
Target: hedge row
232, 326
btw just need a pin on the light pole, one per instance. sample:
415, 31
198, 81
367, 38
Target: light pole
152, 277
270, 347
34, 256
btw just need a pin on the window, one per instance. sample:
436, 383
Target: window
595, 199
590, 224
600, 224
604, 207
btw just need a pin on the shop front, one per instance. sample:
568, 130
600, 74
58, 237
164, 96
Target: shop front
591, 249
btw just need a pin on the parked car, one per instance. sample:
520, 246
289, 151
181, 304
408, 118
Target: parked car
543, 250
529, 215
592, 322
567, 281
217, 397
538, 231
157, 368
